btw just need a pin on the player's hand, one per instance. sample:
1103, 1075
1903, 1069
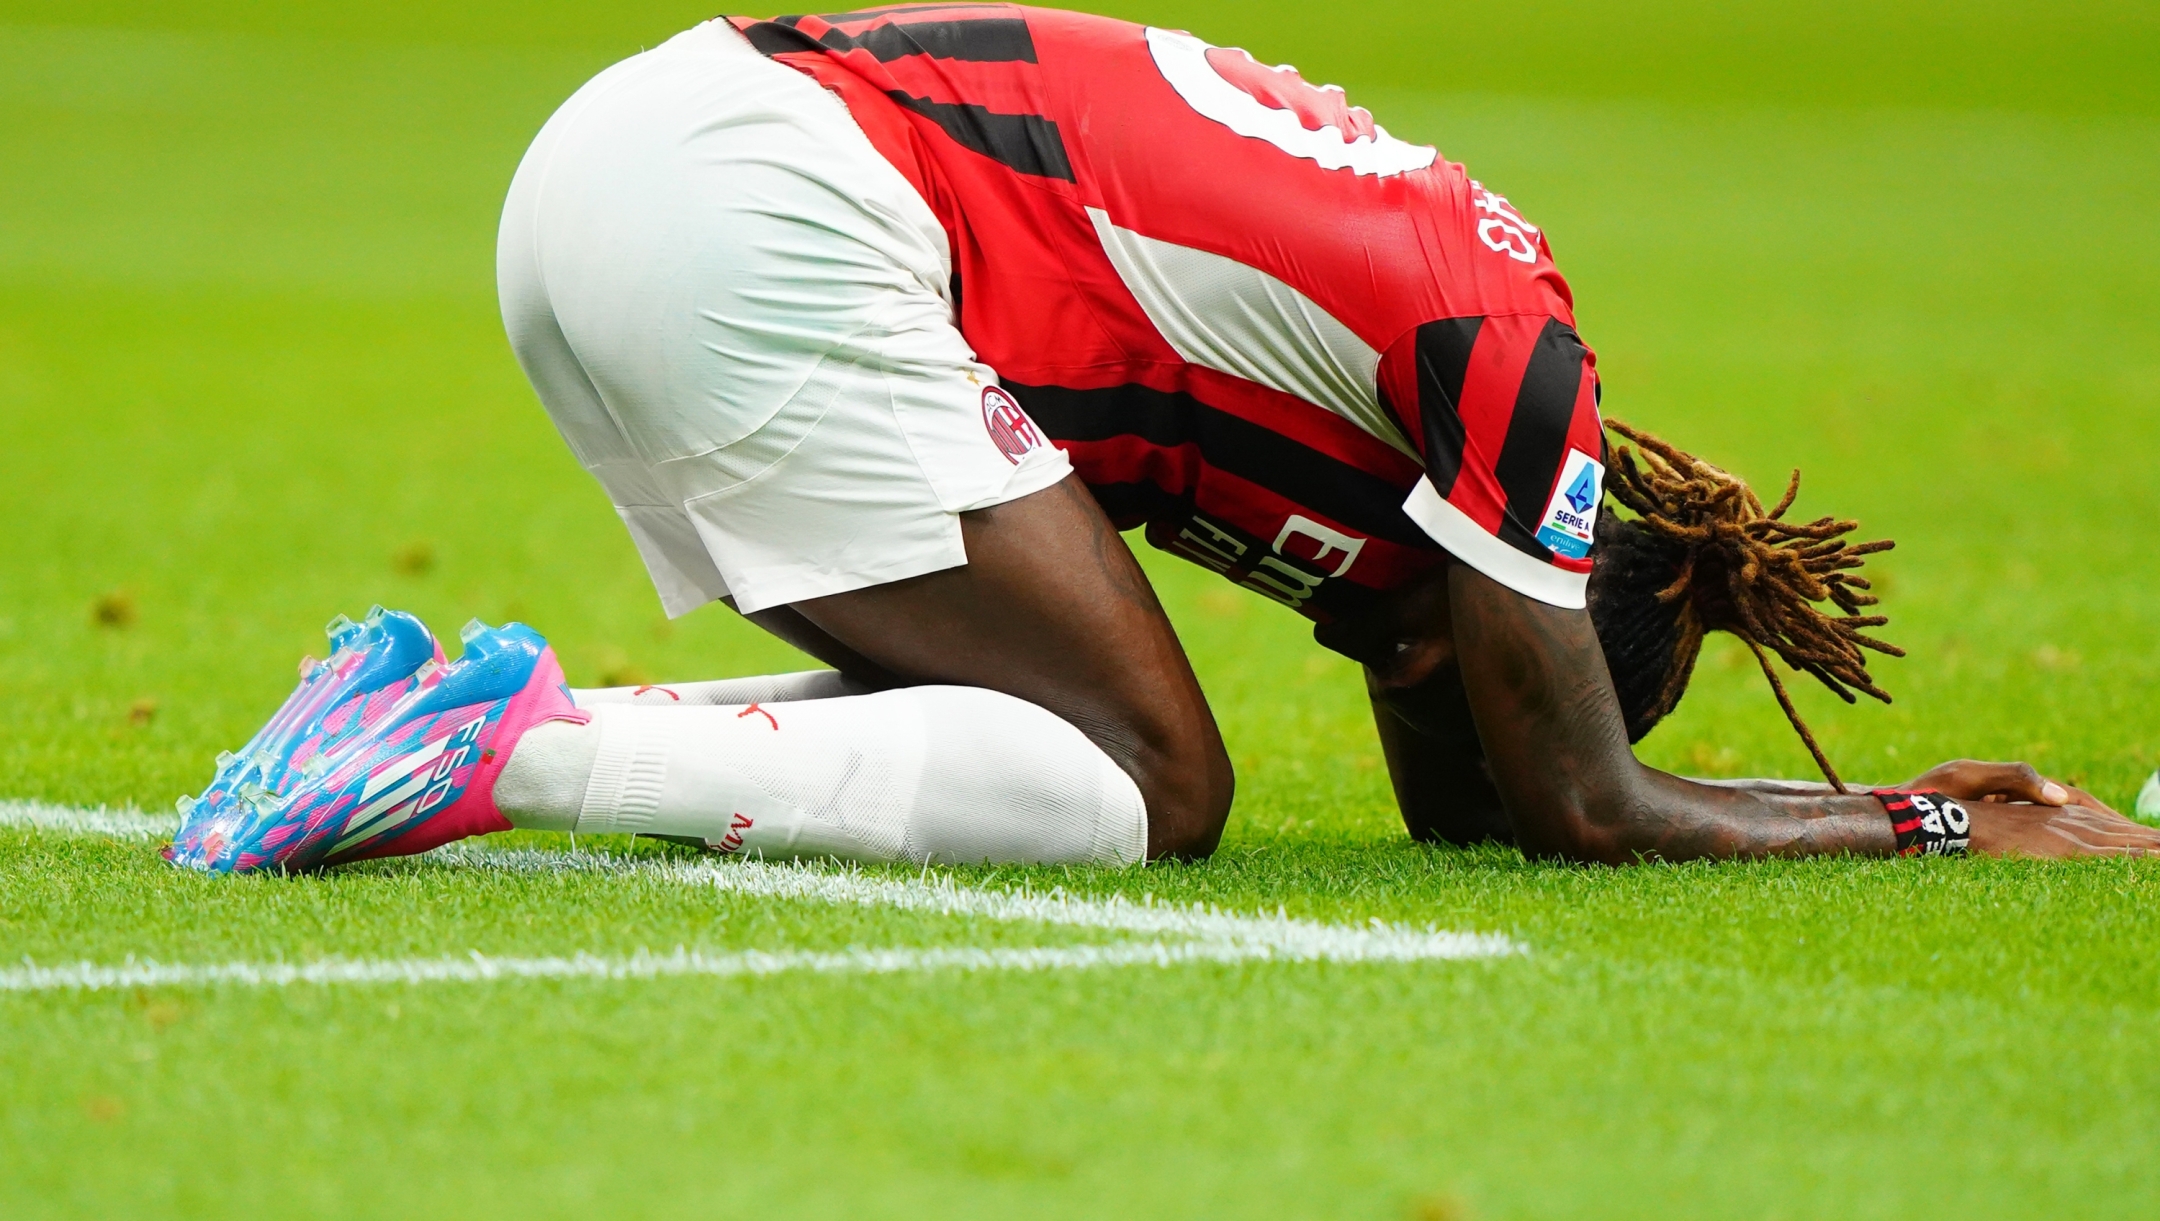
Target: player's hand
2023, 829
2017, 811
1972, 781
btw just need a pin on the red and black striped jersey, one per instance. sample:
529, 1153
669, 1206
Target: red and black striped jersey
1301, 351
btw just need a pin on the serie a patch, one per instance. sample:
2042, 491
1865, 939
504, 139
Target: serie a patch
1571, 517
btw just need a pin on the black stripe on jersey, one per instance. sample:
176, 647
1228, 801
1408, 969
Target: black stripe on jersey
1135, 504
1536, 445
1443, 356
770, 38
1023, 143
1362, 501
983, 40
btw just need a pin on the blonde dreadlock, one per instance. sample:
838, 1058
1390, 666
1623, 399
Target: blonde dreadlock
1731, 566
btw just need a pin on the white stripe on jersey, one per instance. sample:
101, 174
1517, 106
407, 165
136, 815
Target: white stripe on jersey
1220, 314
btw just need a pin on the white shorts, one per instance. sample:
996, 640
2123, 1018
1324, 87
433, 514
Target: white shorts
739, 316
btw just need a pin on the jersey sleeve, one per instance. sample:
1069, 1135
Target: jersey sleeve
1503, 409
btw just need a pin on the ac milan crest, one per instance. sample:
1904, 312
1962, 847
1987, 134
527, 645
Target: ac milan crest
1014, 433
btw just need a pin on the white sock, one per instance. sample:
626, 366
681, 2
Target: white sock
922, 774
760, 689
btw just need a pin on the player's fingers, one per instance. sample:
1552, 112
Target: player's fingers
2079, 797
2016, 781
1974, 780
2106, 832
2080, 839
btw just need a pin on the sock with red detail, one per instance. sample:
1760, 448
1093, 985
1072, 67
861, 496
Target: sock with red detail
760, 689
922, 774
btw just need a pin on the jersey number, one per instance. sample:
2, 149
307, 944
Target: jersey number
1276, 105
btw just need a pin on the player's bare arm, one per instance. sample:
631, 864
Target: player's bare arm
1436, 761
1559, 755
1445, 781
1562, 767
1574, 786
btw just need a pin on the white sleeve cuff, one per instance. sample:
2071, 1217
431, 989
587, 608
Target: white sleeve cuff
1469, 542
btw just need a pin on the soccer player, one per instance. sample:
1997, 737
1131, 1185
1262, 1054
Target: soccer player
835, 308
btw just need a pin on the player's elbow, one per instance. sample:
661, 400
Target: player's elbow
1592, 825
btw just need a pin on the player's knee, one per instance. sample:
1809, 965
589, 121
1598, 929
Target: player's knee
1188, 793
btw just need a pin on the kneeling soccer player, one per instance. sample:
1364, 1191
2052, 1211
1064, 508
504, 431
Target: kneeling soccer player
833, 306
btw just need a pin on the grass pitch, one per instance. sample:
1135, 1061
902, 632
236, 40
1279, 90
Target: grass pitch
250, 374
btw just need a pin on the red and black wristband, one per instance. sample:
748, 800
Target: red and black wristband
1927, 823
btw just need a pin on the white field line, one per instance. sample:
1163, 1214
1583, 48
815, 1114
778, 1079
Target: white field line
481, 969
1277, 936
68, 820
1158, 934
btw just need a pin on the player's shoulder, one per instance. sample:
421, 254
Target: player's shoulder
1502, 261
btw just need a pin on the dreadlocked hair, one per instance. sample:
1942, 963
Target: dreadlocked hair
1703, 555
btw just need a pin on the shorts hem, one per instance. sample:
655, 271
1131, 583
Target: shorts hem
754, 594
1026, 481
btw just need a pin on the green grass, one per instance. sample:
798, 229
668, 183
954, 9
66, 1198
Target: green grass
251, 374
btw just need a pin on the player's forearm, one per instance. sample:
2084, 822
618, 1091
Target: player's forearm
1788, 788
1558, 753
1435, 763
1589, 802
1673, 819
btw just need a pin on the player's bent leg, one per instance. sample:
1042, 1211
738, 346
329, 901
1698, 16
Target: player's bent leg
1051, 615
950, 775
1050, 604
1052, 608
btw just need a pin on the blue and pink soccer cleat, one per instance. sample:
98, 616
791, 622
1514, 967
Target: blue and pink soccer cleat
383, 750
